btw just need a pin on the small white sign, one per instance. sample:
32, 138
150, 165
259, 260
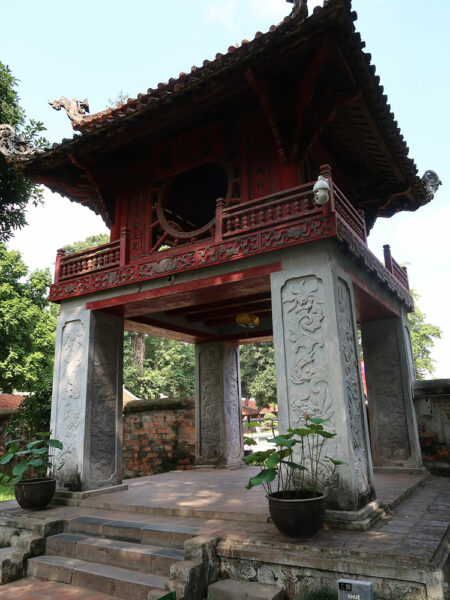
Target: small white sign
355, 590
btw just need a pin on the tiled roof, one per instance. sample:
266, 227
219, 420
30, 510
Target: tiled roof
387, 149
10, 401
164, 91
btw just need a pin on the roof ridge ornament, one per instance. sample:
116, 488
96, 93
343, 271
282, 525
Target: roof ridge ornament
75, 109
300, 8
431, 181
14, 147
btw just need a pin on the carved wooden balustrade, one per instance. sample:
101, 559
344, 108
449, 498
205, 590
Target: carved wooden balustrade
268, 223
93, 259
296, 204
399, 272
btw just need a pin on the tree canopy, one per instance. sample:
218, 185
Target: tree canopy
90, 242
167, 367
16, 191
27, 325
423, 336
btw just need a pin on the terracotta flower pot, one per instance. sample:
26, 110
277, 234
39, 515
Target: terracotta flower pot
298, 514
34, 494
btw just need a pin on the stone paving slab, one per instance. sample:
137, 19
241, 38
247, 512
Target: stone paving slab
415, 532
38, 589
220, 494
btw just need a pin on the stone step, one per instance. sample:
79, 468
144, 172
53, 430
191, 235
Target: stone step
118, 582
158, 534
231, 589
139, 557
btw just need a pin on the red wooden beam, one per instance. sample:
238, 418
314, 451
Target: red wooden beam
260, 88
179, 288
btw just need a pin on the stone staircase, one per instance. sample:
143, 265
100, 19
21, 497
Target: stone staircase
125, 559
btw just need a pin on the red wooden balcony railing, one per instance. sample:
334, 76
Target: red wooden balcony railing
295, 206
400, 273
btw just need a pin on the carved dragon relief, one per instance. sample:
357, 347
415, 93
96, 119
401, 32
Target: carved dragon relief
13, 146
75, 109
308, 369
233, 419
68, 422
353, 386
209, 403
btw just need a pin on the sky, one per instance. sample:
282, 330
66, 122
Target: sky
102, 48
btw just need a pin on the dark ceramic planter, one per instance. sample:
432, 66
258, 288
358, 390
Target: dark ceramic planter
298, 514
34, 494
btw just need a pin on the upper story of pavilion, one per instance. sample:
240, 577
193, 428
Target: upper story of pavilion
221, 163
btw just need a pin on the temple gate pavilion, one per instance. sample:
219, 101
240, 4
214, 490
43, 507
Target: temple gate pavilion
248, 185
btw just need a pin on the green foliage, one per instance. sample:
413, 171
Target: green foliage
27, 325
168, 368
33, 414
27, 460
6, 492
423, 336
121, 98
258, 373
277, 464
90, 242
15, 189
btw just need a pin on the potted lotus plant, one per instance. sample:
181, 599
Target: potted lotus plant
27, 464
291, 474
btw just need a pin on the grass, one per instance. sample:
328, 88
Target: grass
6, 491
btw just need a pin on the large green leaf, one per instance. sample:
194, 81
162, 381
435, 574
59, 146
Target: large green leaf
283, 441
266, 476
20, 469
302, 432
6, 458
336, 462
326, 434
55, 444
250, 442
277, 457
293, 465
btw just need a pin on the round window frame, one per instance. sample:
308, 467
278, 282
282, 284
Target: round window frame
164, 190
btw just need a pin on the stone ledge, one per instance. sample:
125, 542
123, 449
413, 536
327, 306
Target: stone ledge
164, 404
354, 520
432, 387
61, 495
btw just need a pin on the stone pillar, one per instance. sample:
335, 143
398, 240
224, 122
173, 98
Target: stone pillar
390, 380
87, 399
218, 418
317, 370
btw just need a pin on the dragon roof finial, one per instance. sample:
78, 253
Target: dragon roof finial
76, 109
14, 147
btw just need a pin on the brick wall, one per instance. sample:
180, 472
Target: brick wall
158, 436
432, 404
5, 416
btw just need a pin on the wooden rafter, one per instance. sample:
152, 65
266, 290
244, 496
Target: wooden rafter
306, 89
259, 86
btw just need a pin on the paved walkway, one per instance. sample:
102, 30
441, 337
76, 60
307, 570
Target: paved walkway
415, 530
219, 494
37, 589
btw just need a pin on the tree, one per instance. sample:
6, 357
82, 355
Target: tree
258, 373
27, 325
90, 242
423, 336
168, 368
15, 190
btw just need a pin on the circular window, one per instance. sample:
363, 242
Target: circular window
187, 206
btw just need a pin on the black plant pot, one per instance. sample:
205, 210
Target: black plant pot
298, 514
34, 494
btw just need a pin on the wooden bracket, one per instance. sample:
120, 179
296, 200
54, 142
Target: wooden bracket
260, 88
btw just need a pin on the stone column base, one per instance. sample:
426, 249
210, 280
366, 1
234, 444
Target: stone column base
355, 520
